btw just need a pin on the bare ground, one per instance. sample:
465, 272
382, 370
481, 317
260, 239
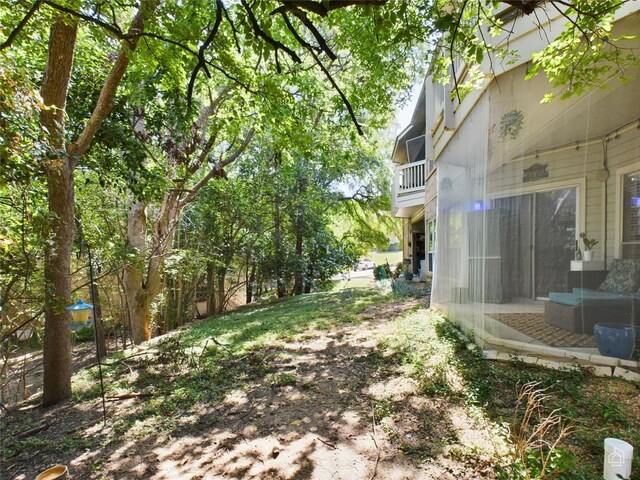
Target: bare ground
316, 415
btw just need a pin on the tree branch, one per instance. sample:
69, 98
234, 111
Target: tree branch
324, 7
200, 124
324, 69
115, 29
20, 325
201, 60
262, 34
302, 16
87, 18
573, 22
105, 104
216, 170
595, 15
453, 39
525, 6
23, 23
234, 30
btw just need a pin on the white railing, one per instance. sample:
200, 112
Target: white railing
410, 177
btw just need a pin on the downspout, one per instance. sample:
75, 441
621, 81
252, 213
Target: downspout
603, 176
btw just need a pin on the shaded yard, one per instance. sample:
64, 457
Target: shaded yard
352, 384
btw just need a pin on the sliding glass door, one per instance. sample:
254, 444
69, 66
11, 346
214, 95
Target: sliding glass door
539, 232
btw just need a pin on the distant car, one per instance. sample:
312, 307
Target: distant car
365, 264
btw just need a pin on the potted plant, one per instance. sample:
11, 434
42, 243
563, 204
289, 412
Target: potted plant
588, 246
408, 275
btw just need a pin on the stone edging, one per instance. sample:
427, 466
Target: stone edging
597, 370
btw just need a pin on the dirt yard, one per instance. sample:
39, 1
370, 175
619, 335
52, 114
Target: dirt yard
317, 414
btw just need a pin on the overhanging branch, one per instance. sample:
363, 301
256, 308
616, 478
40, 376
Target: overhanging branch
23, 23
217, 170
324, 7
324, 69
202, 63
263, 35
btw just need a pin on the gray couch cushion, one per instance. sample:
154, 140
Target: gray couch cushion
623, 276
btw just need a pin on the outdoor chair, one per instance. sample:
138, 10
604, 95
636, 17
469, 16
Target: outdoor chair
617, 300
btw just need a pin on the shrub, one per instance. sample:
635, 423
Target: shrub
377, 271
399, 269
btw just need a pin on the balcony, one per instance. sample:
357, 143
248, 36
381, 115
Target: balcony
409, 187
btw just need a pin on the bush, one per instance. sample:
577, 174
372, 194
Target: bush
399, 269
84, 334
378, 271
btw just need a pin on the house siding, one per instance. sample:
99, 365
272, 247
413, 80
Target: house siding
623, 151
497, 256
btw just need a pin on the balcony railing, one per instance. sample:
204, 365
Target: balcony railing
409, 187
410, 177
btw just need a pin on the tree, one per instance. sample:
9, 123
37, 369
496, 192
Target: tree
59, 162
284, 39
143, 276
253, 94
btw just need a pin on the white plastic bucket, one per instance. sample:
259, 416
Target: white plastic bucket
617, 459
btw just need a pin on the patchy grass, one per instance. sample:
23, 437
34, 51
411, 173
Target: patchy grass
189, 370
255, 327
333, 370
435, 354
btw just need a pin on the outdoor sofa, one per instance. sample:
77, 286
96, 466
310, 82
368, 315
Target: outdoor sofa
617, 300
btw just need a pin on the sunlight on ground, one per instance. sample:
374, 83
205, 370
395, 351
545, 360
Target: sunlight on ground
330, 385
382, 257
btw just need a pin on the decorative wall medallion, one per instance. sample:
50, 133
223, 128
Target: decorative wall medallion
511, 124
535, 172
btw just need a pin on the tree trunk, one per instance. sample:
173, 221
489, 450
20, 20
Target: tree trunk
298, 283
144, 286
211, 288
278, 247
161, 243
133, 279
59, 173
251, 279
101, 340
309, 281
221, 291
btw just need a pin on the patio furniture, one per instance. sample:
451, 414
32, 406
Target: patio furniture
585, 279
617, 300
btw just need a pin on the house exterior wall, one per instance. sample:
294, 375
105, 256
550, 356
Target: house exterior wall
584, 144
577, 155
460, 177
431, 193
623, 151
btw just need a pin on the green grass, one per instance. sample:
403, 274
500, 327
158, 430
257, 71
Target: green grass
381, 257
194, 369
277, 320
199, 366
358, 282
434, 352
